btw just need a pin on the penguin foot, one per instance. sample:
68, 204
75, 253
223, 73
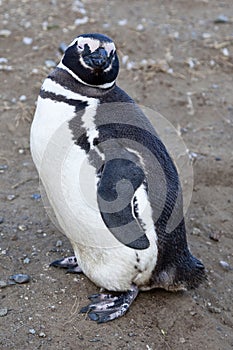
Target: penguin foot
107, 307
69, 263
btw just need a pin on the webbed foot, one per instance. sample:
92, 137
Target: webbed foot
107, 307
69, 263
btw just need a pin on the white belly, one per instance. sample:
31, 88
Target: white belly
70, 184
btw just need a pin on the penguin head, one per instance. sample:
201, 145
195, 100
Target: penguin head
93, 59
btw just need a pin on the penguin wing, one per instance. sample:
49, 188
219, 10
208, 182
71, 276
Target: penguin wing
120, 179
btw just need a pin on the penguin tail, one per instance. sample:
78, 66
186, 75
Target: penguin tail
191, 273
199, 273
185, 273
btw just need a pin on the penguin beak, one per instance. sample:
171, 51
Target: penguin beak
98, 60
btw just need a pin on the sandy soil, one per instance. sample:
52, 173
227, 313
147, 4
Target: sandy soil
192, 54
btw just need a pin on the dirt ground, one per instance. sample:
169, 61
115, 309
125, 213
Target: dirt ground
180, 63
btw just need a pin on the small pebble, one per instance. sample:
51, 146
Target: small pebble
225, 52
130, 65
3, 166
196, 231
140, 27
59, 243
79, 21
5, 33
3, 312
82, 11
62, 47
32, 331
45, 25
174, 35
27, 25
42, 335
163, 332
20, 278
36, 196
50, 63
191, 63
35, 71
214, 309
3, 284
225, 265
206, 35
1, 219
27, 40
192, 156
122, 22
143, 62
3, 60
148, 347
124, 59
22, 98
22, 227
77, 5
6, 68
193, 313
221, 19
94, 340
26, 261
11, 197
106, 25
215, 236
182, 340
131, 334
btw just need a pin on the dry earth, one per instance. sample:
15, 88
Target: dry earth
187, 77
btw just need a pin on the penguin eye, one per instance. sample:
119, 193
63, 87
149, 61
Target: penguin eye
80, 48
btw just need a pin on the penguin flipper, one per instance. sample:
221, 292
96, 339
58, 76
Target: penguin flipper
120, 178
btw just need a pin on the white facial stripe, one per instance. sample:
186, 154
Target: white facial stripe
103, 86
84, 64
108, 68
92, 43
109, 47
73, 42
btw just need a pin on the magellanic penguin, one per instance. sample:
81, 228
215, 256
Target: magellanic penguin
113, 187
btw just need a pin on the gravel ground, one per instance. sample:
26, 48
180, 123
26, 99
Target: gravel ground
177, 58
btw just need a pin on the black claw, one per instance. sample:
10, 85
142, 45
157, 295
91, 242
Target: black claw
56, 263
84, 310
93, 316
102, 320
72, 270
94, 297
